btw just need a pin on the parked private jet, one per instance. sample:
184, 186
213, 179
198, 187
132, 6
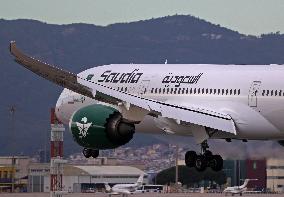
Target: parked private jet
105, 105
124, 189
238, 189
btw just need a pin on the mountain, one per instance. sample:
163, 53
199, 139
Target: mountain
179, 39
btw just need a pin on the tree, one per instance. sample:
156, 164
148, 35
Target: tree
189, 176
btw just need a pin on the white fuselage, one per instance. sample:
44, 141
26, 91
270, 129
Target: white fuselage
253, 95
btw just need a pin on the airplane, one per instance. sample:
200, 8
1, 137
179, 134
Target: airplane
238, 189
104, 106
124, 189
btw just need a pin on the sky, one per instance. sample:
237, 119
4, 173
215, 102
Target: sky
246, 16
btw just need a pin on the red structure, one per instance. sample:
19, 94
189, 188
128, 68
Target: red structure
56, 154
256, 169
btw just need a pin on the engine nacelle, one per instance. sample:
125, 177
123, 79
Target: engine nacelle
100, 127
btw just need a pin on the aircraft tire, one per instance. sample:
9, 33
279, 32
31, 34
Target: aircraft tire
95, 153
190, 157
87, 152
216, 163
200, 163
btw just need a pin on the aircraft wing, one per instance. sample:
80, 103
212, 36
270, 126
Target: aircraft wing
52, 73
195, 115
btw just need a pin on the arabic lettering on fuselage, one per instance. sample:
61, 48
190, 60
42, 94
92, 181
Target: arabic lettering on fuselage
177, 80
116, 77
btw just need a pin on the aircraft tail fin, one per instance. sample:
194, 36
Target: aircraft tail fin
246, 182
107, 187
140, 179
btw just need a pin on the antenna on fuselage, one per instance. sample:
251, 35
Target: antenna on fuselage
166, 62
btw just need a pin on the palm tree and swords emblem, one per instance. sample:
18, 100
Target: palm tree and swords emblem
83, 127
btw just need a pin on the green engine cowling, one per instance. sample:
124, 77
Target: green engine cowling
100, 127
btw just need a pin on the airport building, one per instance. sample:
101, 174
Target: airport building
82, 178
238, 170
13, 173
275, 174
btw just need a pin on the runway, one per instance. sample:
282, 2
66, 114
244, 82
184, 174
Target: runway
136, 195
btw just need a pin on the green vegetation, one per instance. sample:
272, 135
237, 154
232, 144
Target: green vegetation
190, 177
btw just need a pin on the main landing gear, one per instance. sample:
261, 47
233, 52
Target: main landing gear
87, 152
204, 159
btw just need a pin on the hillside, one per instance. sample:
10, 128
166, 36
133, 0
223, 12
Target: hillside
179, 39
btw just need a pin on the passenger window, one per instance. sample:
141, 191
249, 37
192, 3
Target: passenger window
219, 91
202, 91
198, 91
271, 93
210, 91
186, 91
239, 91
280, 92
214, 91
223, 91
168, 90
194, 91
235, 91
263, 92
275, 92
190, 91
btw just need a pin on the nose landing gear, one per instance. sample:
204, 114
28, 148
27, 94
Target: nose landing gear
87, 152
204, 159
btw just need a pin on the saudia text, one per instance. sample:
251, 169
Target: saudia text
177, 80
115, 77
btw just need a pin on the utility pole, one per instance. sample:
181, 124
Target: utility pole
12, 113
177, 165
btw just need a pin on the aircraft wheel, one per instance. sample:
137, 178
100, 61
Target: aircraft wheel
95, 153
200, 163
190, 157
208, 155
87, 152
216, 163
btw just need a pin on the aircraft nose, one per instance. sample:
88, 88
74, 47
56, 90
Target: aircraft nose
59, 111
60, 108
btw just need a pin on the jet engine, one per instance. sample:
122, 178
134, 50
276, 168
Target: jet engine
100, 127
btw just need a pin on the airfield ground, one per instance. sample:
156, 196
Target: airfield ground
135, 195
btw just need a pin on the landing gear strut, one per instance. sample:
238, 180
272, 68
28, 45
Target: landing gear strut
204, 159
87, 152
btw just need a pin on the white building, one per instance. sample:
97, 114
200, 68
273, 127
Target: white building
275, 174
79, 178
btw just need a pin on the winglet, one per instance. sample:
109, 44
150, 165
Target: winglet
52, 73
12, 47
